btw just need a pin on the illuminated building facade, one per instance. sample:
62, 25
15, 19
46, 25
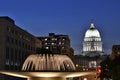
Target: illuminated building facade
57, 43
15, 45
92, 45
92, 53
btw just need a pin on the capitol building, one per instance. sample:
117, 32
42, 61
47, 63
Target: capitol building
92, 53
92, 45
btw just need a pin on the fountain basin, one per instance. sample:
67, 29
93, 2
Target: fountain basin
47, 67
46, 75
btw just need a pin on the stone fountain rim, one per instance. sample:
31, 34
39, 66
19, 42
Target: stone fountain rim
26, 74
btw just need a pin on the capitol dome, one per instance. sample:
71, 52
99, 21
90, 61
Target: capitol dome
92, 32
92, 45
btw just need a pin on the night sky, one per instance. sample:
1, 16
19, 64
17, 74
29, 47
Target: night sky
69, 17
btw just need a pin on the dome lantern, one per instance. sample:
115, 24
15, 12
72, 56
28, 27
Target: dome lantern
92, 25
92, 31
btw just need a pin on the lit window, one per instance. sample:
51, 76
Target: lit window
59, 43
56, 39
118, 53
92, 64
53, 39
45, 39
52, 43
47, 47
20, 36
45, 43
7, 62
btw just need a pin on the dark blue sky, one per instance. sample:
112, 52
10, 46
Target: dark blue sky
71, 17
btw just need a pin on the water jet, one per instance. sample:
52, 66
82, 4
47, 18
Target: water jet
47, 67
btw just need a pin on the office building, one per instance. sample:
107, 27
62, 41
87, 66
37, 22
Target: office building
15, 45
57, 43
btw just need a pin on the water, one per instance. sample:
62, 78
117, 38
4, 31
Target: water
38, 62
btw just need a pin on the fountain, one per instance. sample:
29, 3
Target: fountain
47, 67
48, 62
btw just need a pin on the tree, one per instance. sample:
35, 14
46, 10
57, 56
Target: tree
110, 68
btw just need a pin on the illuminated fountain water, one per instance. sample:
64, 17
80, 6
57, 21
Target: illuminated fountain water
48, 62
47, 67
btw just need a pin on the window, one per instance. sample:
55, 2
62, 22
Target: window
59, 43
28, 47
53, 39
12, 31
23, 45
56, 39
63, 39
16, 56
16, 33
19, 43
52, 43
45, 39
20, 36
8, 39
8, 29
12, 56
7, 52
16, 42
63, 47
12, 40
54, 47
45, 43
63, 43
47, 47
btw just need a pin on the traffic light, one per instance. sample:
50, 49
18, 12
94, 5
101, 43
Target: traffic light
99, 70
